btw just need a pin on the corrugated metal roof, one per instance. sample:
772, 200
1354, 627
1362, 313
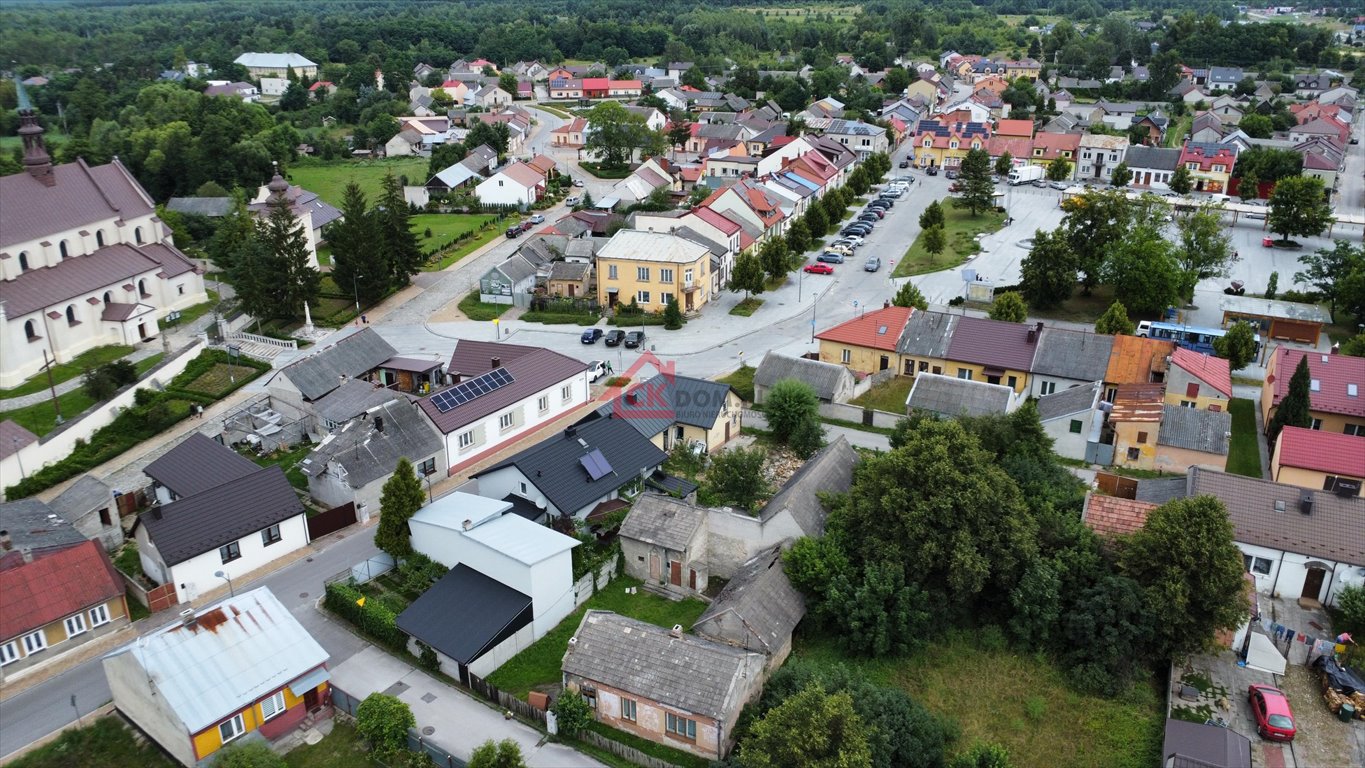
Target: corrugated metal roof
29, 209
983, 341
466, 613
1195, 429
236, 652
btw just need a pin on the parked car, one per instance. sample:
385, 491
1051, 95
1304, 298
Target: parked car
578, 182
893, 194
537, 219
572, 200
905, 163
881, 204
596, 370
955, 187
829, 257
1040, 183
872, 264
878, 212
870, 218
1058, 185
635, 339
861, 229
614, 337
514, 231
932, 170
840, 248
853, 240
951, 173
591, 335
818, 269
1270, 709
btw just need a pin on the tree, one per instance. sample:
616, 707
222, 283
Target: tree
736, 477
445, 155
773, 256
798, 237
673, 317
1181, 183
1059, 169
932, 216
500, 754
1298, 206
1256, 125
679, 133
1004, 164
291, 280
1191, 574
1237, 346
1114, 321
357, 262
1095, 221
1294, 408
1048, 272
896, 81
1354, 346
934, 241
789, 403
978, 191
508, 82
294, 98
1249, 187
495, 135
983, 755
401, 498
908, 295
251, 754
1327, 270
817, 221
1009, 307
1272, 285
1143, 269
397, 244
747, 275
812, 729
1122, 176
384, 721
1204, 249
572, 712
618, 134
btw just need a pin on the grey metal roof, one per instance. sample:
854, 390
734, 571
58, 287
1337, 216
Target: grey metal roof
368, 454
205, 521
951, 397
351, 399
1068, 402
926, 334
1155, 158
465, 614
758, 609
1159, 490
82, 195
1199, 745
1073, 354
197, 464
552, 465
686, 672
1331, 530
1292, 310
14, 437
1194, 429
658, 403
517, 268
212, 207
355, 355
33, 524
82, 496
663, 521
827, 379
569, 270
830, 470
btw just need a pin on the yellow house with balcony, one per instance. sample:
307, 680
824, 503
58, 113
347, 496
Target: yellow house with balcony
943, 143
653, 268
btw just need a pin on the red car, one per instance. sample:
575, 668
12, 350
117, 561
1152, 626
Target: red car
1269, 706
819, 269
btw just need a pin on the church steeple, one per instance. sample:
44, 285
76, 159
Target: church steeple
37, 161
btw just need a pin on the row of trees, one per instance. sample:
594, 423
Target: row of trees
374, 249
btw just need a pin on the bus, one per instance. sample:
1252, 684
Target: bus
1188, 336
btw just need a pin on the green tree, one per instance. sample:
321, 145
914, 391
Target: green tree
1143, 269
1249, 187
445, 155
798, 237
397, 243
1351, 604
401, 498
1004, 164
1095, 221
870, 608
1181, 183
1272, 285
896, 81
983, 755
291, 281
572, 712
673, 317
932, 216
384, 721
812, 729
1354, 346
934, 241
1204, 249
1191, 573
1298, 206
357, 262
909, 296
1295, 406
508, 82
978, 191
774, 257
858, 181
495, 135
499, 754
1122, 176
1059, 169
1114, 321
251, 754
618, 134
790, 403
1009, 307
294, 98
747, 275
1327, 270
1237, 346
736, 477
1048, 273
817, 221
679, 134
1256, 125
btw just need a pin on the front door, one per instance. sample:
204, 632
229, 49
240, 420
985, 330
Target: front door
1312, 583
691, 579
654, 567
310, 700
885, 363
727, 430
675, 573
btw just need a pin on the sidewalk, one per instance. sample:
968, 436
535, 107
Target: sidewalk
458, 722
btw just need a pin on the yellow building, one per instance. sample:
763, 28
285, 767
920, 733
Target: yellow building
944, 144
653, 268
868, 343
674, 410
1319, 460
1196, 380
924, 89
1336, 402
992, 351
1135, 419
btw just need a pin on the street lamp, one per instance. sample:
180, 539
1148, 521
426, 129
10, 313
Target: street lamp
79, 724
223, 575
20, 458
355, 288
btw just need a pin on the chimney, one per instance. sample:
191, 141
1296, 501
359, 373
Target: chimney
156, 512
676, 631
570, 432
497, 363
27, 553
455, 377
379, 423
1039, 327
1032, 335
6, 544
187, 617
1306, 502
467, 524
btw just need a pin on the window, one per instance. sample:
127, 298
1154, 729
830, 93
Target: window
231, 728
105, 517
1047, 388
543, 404
1317, 424
1142, 438
642, 274
666, 299
427, 467
466, 439
270, 535
1076, 426
1330, 483
1134, 454
272, 706
665, 275
75, 625
847, 357
29, 331
62, 248
9, 652
1257, 565
108, 297
137, 235
1012, 381
1218, 169
34, 642
23, 261
687, 277
642, 297
964, 373
230, 552
611, 271
99, 615
71, 315
99, 238
628, 709
1355, 429
682, 727
1192, 389
566, 393
142, 289
1186, 403
506, 420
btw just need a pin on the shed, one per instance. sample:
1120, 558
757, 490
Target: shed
1276, 319
832, 383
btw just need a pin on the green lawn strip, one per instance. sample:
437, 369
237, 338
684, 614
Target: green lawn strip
1244, 454
961, 229
743, 382
539, 664
288, 461
556, 111
1175, 135
342, 748
40, 418
190, 314
462, 249
605, 173
747, 307
1045, 721
1081, 308
91, 358
478, 310
637, 321
105, 743
324, 255
651, 748
888, 396
858, 426
329, 178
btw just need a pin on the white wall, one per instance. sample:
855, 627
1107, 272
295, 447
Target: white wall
1287, 574
488, 434
1064, 441
135, 697
194, 577
501, 190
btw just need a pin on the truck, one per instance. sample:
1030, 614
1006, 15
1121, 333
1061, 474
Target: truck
1025, 174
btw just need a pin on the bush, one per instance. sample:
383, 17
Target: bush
736, 477
254, 754
384, 721
372, 618
419, 572
572, 713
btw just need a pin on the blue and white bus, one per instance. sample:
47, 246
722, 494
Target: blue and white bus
1187, 336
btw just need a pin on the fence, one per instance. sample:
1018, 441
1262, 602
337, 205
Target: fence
622, 751
872, 380
589, 583
331, 521
364, 571
1116, 485
416, 742
507, 701
865, 416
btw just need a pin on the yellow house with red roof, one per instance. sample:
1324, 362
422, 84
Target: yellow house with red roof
1318, 460
1197, 380
865, 344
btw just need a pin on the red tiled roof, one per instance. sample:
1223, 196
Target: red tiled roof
1022, 128
1018, 147
716, 220
1112, 516
55, 586
875, 330
595, 83
1333, 376
1211, 370
1053, 144
1331, 452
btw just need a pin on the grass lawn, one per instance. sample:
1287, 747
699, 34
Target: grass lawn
1244, 453
51, 137
105, 743
1175, 134
747, 307
605, 173
329, 178
444, 226
555, 111
40, 418
539, 665
287, 460
342, 748
478, 310
652, 748
889, 396
1080, 308
961, 229
743, 382
451, 255
91, 358
216, 381
1019, 701
190, 314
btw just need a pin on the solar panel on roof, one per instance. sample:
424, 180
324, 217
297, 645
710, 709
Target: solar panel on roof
466, 391
596, 464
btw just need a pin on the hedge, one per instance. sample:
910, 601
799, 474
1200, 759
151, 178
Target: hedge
559, 318
626, 321
202, 364
373, 618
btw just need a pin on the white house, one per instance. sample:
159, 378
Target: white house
1072, 418
279, 192
274, 86
277, 65
1099, 155
1066, 359
84, 260
501, 392
517, 184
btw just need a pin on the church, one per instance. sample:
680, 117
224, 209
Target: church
84, 260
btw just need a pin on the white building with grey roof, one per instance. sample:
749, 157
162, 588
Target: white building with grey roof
832, 383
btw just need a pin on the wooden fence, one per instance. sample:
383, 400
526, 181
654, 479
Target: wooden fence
507, 701
331, 521
1116, 485
623, 751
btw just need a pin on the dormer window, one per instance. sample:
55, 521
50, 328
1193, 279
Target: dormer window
99, 238
61, 247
